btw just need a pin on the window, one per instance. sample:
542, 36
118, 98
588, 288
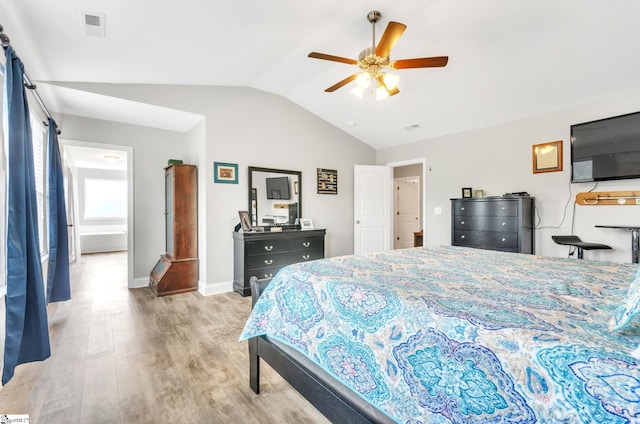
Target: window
104, 198
39, 150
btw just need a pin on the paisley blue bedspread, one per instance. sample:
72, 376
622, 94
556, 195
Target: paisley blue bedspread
450, 334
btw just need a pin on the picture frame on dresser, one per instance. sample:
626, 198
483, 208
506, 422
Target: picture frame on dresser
467, 192
245, 221
306, 224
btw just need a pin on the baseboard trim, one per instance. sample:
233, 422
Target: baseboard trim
216, 288
204, 289
140, 282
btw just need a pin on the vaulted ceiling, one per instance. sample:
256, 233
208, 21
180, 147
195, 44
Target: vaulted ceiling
508, 59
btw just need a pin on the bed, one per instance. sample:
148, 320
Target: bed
450, 334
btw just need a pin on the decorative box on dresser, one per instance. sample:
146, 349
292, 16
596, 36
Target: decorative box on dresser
177, 269
263, 254
495, 223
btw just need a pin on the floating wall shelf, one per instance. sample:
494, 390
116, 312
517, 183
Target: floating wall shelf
621, 198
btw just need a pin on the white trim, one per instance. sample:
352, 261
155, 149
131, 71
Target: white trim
216, 288
139, 283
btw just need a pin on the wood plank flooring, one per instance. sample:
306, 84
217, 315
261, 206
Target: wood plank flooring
126, 356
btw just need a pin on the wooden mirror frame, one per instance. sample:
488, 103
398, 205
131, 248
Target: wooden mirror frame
296, 189
547, 157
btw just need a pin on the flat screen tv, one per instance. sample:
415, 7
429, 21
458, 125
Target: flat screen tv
278, 188
606, 149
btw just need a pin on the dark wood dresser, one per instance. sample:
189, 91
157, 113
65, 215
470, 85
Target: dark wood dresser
263, 254
494, 223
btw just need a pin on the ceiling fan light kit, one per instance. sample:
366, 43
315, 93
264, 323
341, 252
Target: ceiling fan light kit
374, 62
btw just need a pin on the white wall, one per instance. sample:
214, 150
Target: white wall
499, 160
241, 125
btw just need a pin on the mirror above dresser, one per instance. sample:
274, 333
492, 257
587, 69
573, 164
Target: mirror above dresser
275, 197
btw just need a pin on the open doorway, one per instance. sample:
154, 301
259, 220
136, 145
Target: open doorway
100, 199
408, 203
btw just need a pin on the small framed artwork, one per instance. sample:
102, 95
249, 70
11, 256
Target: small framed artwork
245, 221
547, 157
466, 192
306, 224
479, 193
327, 181
225, 172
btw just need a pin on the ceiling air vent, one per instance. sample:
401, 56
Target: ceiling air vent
412, 127
94, 24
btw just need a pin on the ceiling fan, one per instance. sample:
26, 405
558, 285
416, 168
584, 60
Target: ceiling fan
374, 62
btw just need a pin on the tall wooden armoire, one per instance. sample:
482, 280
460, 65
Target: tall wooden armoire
177, 270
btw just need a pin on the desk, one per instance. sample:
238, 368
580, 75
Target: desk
635, 239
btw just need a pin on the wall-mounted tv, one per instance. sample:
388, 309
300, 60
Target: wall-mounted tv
278, 188
606, 149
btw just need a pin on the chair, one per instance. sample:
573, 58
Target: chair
581, 245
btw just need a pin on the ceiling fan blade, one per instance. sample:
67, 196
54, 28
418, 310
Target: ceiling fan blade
393, 92
422, 62
389, 38
323, 56
342, 83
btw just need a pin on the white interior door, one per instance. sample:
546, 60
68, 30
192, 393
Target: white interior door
372, 209
406, 211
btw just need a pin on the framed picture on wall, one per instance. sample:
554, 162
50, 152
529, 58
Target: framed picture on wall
327, 181
547, 157
225, 173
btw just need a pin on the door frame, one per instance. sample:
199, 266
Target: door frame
423, 185
394, 210
130, 198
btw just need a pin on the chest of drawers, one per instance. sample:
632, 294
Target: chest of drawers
494, 223
263, 254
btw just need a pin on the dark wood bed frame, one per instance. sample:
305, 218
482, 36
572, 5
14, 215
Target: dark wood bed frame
331, 404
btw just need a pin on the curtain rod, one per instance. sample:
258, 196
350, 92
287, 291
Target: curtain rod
5, 42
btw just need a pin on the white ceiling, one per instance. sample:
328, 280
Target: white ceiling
508, 59
96, 158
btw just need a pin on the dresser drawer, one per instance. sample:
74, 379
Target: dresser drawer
306, 243
486, 223
306, 255
268, 260
487, 240
259, 247
261, 273
486, 208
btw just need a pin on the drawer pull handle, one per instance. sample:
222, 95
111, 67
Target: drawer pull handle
504, 223
306, 244
462, 208
504, 239
268, 261
305, 257
462, 223
462, 236
268, 248
504, 208
268, 275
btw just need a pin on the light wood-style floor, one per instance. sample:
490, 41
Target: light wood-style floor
126, 356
